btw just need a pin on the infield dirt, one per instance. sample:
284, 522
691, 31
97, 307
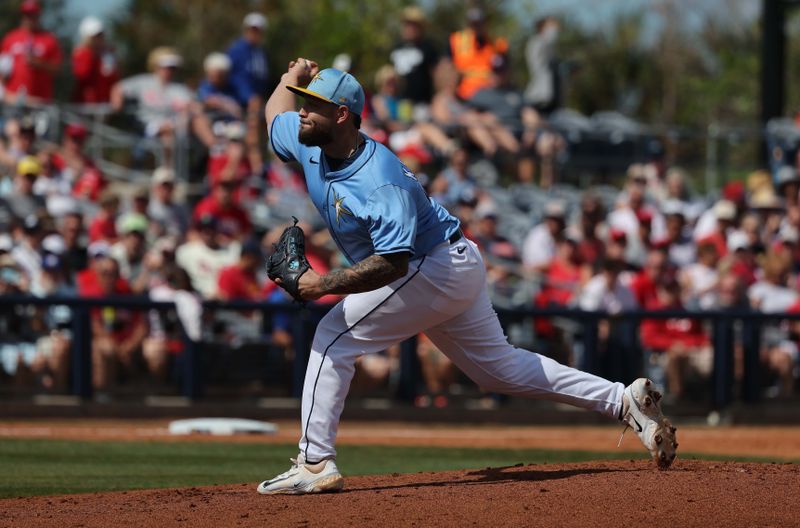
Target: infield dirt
693, 493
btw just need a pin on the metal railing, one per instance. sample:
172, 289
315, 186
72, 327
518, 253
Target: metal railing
724, 325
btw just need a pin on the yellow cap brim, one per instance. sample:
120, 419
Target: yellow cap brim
304, 92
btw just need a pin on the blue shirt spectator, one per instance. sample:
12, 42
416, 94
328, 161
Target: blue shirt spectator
249, 65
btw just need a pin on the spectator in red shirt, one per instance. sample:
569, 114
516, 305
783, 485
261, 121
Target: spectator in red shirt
228, 159
644, 283
104, 224
117, 333
239, 281
73, 165
231, 219
93, 64
679, 346
29, 58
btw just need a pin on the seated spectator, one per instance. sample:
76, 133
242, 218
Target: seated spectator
406, 133
741, 260
771, 294
438, 372
117, 333
519, 128
699, 280
787, 185
606, 292
19, 141
130, 250
228, 160
52, 362
30, 58
94, 64
202, 256
644, 283
165, 108
240, 281
587, 231
682, 249
678, 347
632, 208
454, 180
453, 116
221, 99
727, 212
28, 252
72, 234
232, 219
166, 338
539, 247
23, 202
104, 224
170, 215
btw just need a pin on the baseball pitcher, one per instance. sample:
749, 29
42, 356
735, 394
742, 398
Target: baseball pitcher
412, 271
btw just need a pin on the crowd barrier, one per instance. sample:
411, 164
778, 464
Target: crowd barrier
727, 327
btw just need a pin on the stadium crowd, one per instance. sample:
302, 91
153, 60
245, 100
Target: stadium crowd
453, 115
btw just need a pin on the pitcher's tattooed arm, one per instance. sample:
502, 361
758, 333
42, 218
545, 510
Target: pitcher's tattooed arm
369, 274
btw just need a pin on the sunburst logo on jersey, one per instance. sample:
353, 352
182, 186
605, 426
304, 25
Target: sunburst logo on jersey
339, 207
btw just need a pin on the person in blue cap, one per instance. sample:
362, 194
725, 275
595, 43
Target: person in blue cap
412, 271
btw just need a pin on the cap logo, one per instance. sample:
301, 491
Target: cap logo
343, 99
317, 77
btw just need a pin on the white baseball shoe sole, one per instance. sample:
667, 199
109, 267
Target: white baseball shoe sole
304, 478
642, 413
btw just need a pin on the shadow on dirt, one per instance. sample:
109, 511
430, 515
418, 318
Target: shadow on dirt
499, 475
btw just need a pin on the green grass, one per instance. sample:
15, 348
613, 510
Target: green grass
47, 467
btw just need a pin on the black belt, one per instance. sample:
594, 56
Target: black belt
455, 237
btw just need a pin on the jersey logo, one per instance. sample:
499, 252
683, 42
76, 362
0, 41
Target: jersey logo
407, 172
339, 207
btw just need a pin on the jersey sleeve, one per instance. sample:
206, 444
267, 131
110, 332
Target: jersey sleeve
391, 218
283, 136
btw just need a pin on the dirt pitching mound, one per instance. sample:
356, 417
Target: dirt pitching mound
589, 494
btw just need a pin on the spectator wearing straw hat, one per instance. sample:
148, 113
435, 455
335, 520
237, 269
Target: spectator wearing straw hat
414, 58
165, 107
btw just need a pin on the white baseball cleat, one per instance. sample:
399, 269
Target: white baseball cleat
304, 478
642, 413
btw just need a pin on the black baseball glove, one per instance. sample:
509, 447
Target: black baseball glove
288, 262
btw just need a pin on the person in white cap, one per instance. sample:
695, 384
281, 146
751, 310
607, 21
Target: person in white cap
94, 64
249, 74
219, 96
249, 65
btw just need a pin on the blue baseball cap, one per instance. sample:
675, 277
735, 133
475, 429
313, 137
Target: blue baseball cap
334, 86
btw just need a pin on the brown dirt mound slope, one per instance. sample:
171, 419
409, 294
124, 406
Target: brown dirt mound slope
589, 494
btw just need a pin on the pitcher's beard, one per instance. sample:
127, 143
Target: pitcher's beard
313, 136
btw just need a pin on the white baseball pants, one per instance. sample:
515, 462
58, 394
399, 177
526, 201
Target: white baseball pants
443, 295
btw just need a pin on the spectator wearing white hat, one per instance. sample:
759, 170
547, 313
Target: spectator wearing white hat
249, 65
94, 64
249, 73
221, 99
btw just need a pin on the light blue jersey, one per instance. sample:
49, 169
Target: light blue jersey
374, 205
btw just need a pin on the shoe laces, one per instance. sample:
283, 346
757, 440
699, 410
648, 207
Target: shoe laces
295, 466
